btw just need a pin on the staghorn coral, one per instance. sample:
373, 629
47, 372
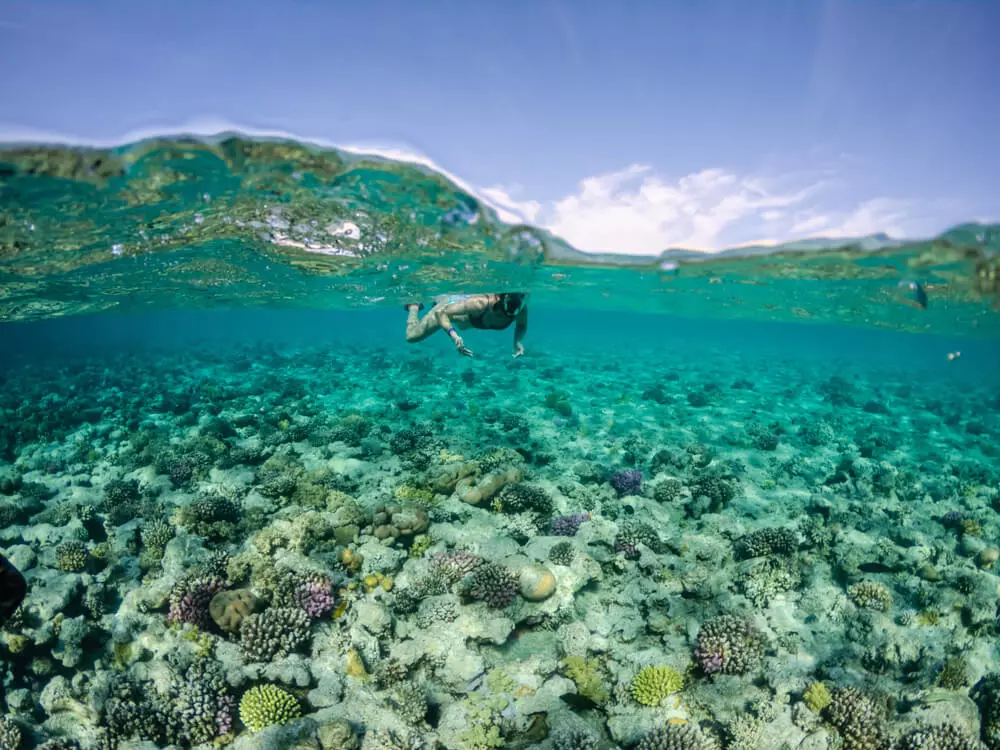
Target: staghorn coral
266, 706
730, 645
652, 684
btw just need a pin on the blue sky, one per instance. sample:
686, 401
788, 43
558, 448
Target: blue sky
624, 126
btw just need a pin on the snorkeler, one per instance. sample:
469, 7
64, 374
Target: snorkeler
491, 312
12, 589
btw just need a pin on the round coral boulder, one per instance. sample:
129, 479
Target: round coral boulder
537, 582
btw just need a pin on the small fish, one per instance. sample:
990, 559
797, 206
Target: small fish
952, 356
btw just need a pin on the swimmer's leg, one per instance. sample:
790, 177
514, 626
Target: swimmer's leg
417, 329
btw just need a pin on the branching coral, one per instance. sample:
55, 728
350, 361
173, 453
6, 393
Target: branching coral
274, 633
730, 645
652, 684
267, 706
861, 719
492, 583
190, 599
677, 737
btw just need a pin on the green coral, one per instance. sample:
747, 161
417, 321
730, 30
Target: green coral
482, 712
267, 706
586, 674
417, 495
653, 684
817, 696
421, 543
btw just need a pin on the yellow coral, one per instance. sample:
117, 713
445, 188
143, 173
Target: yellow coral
411, 494
817, 696
355, 666
421, 543
653, 684
584, 672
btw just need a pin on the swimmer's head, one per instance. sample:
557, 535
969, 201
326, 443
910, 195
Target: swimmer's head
511, 303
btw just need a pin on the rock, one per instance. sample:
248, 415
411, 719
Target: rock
337, 735
537, 582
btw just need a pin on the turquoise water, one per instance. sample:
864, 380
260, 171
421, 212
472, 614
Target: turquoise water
249, 512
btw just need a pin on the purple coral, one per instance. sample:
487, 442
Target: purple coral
315, 597
494, 584
568, 525
627, 482
190, 598
729, 644
225, 710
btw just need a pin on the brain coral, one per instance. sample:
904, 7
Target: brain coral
229, 608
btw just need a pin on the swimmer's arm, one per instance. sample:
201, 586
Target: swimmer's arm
445, 322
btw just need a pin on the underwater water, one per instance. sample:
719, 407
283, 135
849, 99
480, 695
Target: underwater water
737, 503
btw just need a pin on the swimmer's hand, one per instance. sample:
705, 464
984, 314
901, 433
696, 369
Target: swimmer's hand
462, 348
518, 350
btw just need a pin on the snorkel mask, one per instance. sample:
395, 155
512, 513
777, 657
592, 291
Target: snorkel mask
513, 303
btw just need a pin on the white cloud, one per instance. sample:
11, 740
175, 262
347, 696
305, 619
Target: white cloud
635, 210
